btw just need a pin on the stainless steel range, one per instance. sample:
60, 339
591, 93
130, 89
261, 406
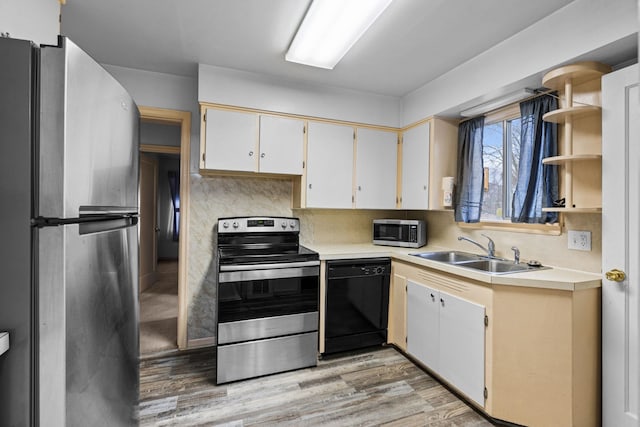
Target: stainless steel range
268, 286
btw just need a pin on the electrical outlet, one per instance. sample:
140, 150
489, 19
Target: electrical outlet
579, 240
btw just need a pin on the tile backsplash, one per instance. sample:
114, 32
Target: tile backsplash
212, 198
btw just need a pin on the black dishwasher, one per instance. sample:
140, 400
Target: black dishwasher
357, 303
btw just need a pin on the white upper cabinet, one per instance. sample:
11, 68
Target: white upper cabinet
231, 140
248, 142
329, 166
376, 169
415, 167
281, 145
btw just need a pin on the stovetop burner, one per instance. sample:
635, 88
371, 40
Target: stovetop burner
229, 256
261, 240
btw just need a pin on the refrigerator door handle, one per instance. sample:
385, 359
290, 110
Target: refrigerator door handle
108, 223
94, 219
107, 210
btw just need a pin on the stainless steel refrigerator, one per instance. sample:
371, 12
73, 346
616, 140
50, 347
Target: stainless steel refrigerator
69, 240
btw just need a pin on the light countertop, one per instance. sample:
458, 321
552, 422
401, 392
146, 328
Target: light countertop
4, 342
553, 278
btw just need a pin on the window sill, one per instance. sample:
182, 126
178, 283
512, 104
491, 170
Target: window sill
544, 229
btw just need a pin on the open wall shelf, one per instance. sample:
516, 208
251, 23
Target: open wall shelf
581, 186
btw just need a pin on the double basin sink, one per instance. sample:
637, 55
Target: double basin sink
478, 262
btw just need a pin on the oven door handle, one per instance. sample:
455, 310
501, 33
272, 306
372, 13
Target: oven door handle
283, 265
274, 273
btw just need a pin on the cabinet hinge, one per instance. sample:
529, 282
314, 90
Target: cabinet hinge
353, 199
406, 340
486, 393
486, 320
204, 157
304, 129
303, 164
204, 117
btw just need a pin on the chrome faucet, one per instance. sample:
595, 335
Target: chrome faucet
490, 249
516, 254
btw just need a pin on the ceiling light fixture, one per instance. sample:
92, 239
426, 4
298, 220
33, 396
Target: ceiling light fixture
496, 103
330, 28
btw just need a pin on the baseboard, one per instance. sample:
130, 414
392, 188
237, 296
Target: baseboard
147, 280
201, 342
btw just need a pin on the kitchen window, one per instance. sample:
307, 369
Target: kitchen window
501, 157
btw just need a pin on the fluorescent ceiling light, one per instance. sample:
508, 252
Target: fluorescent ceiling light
330, 28
496, 103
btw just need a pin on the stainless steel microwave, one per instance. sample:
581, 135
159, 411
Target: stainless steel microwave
408, 233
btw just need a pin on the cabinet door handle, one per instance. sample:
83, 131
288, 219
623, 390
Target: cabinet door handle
359, 188
309, 186
262, 156
433, 298
250, 153
442, 302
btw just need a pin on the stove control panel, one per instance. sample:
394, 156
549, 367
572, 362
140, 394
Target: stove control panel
258, 225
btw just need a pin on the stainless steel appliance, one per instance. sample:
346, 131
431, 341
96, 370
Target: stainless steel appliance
357, 303
268, 288
408, 233
69, 258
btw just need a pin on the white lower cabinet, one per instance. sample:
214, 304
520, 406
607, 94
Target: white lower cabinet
447, 334
423, 323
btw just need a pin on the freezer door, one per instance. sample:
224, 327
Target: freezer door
88, 139
88, 286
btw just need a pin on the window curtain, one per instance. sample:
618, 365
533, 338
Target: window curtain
468, 196
174, 187
537, 185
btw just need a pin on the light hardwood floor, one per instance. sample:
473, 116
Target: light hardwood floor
367, 388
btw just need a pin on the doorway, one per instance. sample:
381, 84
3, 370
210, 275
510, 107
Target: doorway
159, 238
164, 200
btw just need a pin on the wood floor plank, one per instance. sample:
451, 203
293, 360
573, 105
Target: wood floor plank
366, 388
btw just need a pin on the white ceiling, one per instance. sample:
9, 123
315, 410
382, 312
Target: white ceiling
412, 43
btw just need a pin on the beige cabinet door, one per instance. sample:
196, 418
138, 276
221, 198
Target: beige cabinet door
397, 327
620, 248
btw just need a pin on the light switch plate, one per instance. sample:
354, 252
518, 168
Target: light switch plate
579, 240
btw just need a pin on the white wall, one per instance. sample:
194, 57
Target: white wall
36, 20
160, 90
241, 88
580, 27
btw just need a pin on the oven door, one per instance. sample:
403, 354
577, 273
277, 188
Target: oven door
276, 298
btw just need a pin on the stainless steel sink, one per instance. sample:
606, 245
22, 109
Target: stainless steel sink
477, 262
495, 266
450, 257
